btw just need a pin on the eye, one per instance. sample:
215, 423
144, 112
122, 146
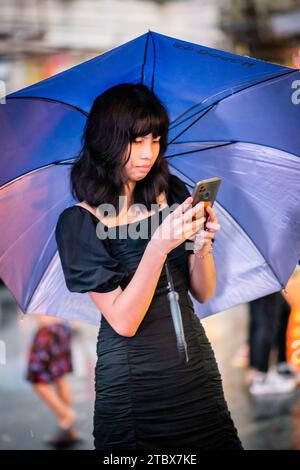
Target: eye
140, 141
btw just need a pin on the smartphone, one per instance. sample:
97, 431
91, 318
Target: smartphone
206, 191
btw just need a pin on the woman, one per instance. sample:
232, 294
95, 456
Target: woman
145, 397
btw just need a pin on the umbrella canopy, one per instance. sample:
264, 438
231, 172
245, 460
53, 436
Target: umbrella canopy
231, 116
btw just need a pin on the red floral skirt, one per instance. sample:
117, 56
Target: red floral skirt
50, 354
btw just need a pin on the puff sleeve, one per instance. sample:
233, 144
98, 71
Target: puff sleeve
86, 262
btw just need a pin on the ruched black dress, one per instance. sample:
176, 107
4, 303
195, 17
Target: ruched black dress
145, 397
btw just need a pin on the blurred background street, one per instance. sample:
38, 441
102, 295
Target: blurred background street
263, 423
39, 38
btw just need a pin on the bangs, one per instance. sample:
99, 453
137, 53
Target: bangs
151, 123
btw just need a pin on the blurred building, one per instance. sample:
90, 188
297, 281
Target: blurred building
42, 37
39, 38
266, 29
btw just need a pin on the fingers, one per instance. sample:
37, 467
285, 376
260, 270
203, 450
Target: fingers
213, 227
204, 235
192, 219
193, 226
186, 207
185, 213
191, 212
212, 224
211, 213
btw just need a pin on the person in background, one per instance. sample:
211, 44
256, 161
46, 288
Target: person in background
267, 328
49, 360
293, 330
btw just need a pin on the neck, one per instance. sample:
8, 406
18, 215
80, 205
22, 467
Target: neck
128, 191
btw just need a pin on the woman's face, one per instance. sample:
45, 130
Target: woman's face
144, 152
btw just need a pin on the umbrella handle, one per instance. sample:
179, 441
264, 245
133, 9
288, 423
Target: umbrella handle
173, 297
178, 326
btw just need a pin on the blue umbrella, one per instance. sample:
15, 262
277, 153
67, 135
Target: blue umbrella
231, 116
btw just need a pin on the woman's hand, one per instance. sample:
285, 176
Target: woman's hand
181, 224
203, 237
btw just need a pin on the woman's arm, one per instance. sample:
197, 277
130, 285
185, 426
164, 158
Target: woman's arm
202, 277
125, 310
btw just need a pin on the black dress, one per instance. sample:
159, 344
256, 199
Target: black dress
145, 397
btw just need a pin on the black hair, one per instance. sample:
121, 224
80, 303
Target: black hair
117, 117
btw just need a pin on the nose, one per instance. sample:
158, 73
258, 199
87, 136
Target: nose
146, 152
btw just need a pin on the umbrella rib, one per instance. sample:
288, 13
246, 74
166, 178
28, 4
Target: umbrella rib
145, 58
221, 99
263, 145
244, 231
238, 91
154, 62
149, 35
63, 162
186, 142
202, 110
51, 100
232, 142
41, 277
226, 89
201, 149
191, 116
190, 125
